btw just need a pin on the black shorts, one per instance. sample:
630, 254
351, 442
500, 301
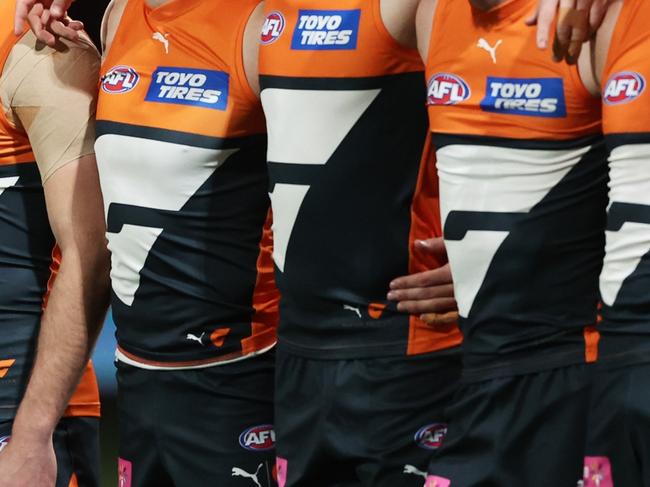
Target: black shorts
618, 435
76, 445
200, 427
369, 422
526, 430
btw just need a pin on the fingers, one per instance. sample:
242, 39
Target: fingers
597, 15
436, 277
440, 318
59, 8
74, 24
422, 293
36, 17
22, 11
572, 32
437, 306
60, 29
563, 30
435, 246
545, 18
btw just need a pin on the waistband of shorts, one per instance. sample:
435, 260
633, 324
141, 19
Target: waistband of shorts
620, 349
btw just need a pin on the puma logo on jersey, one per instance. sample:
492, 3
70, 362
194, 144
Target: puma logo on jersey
194, 338
357, 311
411, 470
535, 97
447, 89
483, 44
238, 472
120, 79
185, 86
326, 30
273, 28
623, 87
163, 38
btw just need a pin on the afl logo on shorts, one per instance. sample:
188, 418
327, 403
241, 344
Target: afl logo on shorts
430, 437
623, 87
447, 89
4, 441
273, 28
258, 438
120, 79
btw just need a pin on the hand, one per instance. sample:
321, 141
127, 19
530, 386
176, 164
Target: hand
28, 464
578, 20
47, 20
429, 293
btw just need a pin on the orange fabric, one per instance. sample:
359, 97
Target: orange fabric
592, 338
425, 224
628, 54
5, 365
211, 28
73, 481
387, 56
454, 51
14, 144
266, 298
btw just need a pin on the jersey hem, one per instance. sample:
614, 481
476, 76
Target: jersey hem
141, 363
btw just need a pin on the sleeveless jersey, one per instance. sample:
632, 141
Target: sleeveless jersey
181, 151
352, 180
625, 279
27, 248
522, 170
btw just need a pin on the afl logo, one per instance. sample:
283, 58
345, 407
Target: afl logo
273, 28
258, 438
447, 89
4, 441
623, 87
430, 437
120, 79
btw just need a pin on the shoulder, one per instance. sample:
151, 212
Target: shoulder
110, 23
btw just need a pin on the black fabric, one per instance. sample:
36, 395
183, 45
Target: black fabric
76, 445
26, 244
345, 423
517, 431
541, 287
182, 428
618, 437
351, 234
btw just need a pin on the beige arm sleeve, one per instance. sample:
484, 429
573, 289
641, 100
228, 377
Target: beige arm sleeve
52, 94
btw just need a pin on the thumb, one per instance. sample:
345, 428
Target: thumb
435, 245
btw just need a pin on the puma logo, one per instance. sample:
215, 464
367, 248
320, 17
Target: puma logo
158, 36
194, 338
238, 472
347, 307
483, 44
411, 470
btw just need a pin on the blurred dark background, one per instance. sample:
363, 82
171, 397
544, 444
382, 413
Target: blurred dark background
90, 12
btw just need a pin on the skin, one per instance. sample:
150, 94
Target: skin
76, 310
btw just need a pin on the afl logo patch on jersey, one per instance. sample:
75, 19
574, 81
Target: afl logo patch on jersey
430, 437
447, 89
120, 79
193, 87
273, 28
623, 87
534, 97
258, 438
4, 441
326, 30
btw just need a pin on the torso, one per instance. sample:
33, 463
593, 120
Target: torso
181, 142
352, 182
523, 189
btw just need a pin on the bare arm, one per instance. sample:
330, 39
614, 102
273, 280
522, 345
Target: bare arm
252, 47
399, 19
54, 101
424, 25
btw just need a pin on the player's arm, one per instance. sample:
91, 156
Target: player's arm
110, 23
251, 47
55, 104
398, 17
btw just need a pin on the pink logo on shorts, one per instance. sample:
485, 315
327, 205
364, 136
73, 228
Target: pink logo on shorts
597, 472
124, 473
281, 466
435, 481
